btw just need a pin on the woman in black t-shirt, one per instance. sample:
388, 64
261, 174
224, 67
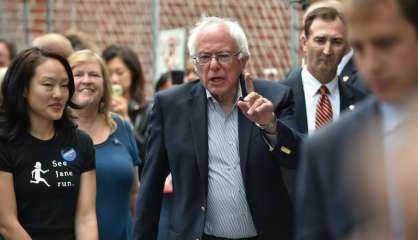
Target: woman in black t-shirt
47, 170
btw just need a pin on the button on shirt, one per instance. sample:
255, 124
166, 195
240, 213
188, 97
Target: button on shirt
311, 90
227, 213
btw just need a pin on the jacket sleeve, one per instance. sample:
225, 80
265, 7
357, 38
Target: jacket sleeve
288, 139
152, 182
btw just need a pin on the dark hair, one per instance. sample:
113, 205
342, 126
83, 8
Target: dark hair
130, 58
408, 9
324, 13
10, 46
176, 77
161, 81
14, 117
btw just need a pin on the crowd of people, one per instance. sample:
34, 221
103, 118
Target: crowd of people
326, 153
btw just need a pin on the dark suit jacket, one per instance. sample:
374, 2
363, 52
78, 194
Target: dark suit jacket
348, 96
179, 143
350, 76
332, 162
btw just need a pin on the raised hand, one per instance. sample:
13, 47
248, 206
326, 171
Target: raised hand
255, 107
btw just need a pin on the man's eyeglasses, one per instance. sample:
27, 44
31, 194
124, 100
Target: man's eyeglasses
205, 58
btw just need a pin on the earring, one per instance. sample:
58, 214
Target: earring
101, 106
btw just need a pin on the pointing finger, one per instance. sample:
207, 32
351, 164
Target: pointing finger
248, 83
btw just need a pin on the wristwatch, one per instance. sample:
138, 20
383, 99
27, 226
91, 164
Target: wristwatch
269, 126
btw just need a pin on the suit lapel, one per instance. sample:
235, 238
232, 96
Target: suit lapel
295, 83
348, 69
199, 127
245, 127
300, 104
346, 96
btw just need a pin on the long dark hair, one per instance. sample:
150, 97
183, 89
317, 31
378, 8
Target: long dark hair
131, 60
14, 117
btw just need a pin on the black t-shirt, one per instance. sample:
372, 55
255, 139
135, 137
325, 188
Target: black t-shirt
46, 177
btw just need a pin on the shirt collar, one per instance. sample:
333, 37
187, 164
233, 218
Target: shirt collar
393, 115
311, 85
344, 61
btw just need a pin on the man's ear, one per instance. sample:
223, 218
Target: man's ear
25, 92
303, 40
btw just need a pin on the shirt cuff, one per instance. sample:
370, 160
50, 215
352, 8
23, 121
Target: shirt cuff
270, 140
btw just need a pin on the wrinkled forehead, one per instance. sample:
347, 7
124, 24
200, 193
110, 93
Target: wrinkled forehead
325, 27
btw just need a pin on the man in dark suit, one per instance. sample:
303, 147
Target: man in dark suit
347, 72
349, 97
324, 43
349, 180
224, 139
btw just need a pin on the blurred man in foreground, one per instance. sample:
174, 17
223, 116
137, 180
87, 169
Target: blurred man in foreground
351, 182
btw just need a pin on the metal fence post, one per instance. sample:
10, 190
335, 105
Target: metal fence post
27, 23
50, 16
155, 29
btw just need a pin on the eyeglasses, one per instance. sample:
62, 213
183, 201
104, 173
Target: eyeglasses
205, 58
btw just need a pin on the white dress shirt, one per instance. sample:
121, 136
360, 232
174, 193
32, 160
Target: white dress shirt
228, 213
311, 90
346, 58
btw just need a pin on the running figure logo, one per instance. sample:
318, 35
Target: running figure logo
36, 174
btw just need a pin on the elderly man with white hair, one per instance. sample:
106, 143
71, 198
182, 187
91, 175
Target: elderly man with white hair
223, 138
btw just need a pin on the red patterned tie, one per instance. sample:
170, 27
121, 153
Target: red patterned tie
323, 108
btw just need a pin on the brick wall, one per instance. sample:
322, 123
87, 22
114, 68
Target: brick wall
266, 22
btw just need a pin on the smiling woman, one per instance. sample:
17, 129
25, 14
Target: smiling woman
114, 141
46, 96
37, 141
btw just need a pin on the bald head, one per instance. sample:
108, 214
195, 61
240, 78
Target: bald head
54, 42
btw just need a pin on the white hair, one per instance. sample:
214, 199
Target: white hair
235, 30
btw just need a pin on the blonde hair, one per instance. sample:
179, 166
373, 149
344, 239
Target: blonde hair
82, 56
